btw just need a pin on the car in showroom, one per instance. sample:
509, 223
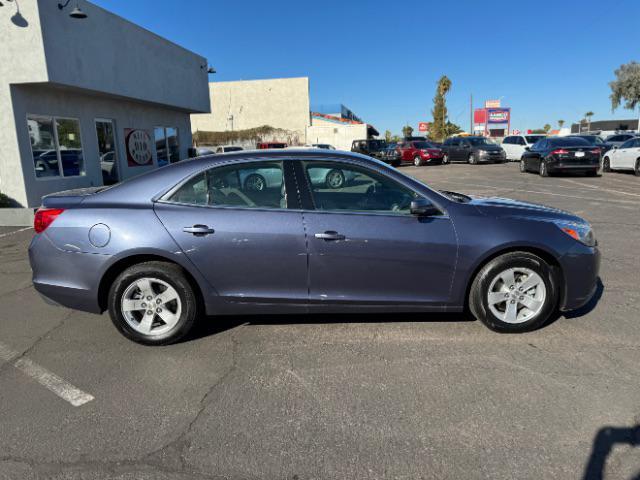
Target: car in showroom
515, 145
561, 155
420, 152
624, 157
472, 150
189, 242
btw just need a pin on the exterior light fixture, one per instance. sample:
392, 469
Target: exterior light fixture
209, 68
75, 13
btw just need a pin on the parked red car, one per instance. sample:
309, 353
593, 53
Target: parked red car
419, 152
263, 145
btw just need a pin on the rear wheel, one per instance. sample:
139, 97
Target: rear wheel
523, 166
334, 179
606, 165
445, 159
515, 292
255, 183
153, 303
543, 169
636, 170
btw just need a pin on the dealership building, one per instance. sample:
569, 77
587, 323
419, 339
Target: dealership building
88, 98
284, 105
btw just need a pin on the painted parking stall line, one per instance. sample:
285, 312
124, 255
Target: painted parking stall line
47, 379
2, 235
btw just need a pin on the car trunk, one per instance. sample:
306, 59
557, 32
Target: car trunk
69, 198
576, 155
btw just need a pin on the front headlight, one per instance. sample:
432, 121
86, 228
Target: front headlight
581, 232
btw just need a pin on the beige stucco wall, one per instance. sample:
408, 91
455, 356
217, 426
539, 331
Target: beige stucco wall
280, 103
340, 136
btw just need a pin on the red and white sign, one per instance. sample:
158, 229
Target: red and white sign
515, 132
138, 146
423, 126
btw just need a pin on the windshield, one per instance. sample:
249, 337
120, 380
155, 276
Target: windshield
377, 144
475, 141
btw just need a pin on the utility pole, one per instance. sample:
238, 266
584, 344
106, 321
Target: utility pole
471, 114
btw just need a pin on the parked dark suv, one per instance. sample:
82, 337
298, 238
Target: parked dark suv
472, 150
373, 148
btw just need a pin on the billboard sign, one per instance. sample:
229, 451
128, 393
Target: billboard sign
480, 115
498, 115
423, 126
492, 103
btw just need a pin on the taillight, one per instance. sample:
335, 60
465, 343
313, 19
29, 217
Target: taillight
45, 217
595, 150
560, 151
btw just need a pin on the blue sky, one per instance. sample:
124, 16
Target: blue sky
550, 60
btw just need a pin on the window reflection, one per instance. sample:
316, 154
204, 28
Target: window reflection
107, 152
56, 146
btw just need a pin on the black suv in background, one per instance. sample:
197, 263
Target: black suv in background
472, 150
373, 148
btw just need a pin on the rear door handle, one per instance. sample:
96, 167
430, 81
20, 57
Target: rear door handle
199, 230
330, 235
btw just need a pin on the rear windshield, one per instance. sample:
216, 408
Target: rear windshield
568, 142
533, 139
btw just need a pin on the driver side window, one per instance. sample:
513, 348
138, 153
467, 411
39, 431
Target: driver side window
342, 187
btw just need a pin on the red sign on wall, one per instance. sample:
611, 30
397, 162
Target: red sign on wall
138, 147
423, 126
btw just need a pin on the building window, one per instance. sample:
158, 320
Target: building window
56, 146
107, 152
167, 145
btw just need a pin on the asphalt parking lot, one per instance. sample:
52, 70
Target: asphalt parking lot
367, 397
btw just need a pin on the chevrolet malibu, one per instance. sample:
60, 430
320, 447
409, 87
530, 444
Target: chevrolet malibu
162, 250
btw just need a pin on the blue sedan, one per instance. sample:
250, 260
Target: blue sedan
203, 237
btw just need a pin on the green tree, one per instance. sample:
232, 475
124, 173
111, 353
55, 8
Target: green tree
407, 131
439, 112
560, 124
588, 116
546, 128
626, 87
387, 135
538, 130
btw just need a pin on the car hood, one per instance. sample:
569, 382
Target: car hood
506, 207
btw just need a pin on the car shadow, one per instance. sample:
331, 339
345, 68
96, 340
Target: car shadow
213, 325
603, 443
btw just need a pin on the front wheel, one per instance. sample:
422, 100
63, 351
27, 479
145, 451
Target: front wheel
417, 161
334, 179
523, 166
445, 159
636, 170
472, 159
515, 292
153, 303
255, 183
606, 165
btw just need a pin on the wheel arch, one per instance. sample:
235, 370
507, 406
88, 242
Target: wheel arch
119, 266
546, 255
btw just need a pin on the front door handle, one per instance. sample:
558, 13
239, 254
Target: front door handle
330, 235
199, 230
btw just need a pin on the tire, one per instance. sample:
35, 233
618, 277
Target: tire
636, 170
525, 267
417, 161
606, 164
472, 159
255, 183
334, 179
593, 173
523, 166
543, 169
180, 313
445, 159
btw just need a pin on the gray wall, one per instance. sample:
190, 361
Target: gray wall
86, 107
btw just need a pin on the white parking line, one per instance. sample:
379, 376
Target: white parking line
596, 187
47, 379
14, 232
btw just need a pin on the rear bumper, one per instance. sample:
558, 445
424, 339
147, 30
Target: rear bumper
567, 167
66, 278
581, 268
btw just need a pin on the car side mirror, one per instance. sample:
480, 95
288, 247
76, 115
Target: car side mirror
527, 149
422, 207
615, 147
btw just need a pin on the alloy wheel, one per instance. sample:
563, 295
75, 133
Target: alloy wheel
334, 179
255, 183
516, 295
445, 159
151, 306
523, 167
606, 165
637, 169
417, 161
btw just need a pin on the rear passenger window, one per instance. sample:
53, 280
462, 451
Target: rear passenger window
245, 185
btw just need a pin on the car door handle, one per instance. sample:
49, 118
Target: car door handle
330, 235
199, 230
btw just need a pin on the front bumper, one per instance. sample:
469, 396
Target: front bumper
581, 269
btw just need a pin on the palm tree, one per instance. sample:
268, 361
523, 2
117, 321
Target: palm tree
588, 116
560, 124
444, 85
